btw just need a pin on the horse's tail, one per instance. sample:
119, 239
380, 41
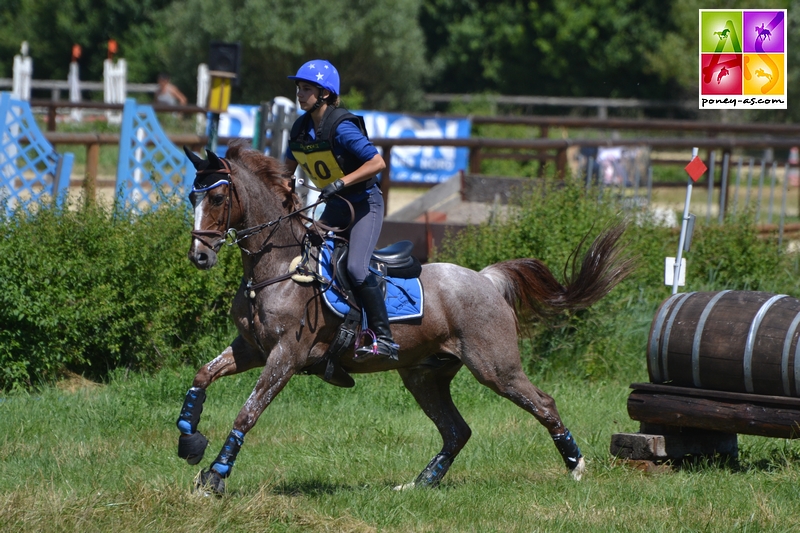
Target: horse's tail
531, 284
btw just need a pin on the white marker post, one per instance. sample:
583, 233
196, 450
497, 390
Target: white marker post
695, 169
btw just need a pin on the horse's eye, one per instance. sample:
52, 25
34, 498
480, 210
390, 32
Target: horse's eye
217, 199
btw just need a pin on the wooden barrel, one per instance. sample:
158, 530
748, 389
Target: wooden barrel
737, 341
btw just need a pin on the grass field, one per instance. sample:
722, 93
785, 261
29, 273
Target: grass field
84, 457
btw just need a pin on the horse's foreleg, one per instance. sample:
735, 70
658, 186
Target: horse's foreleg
236, 358
430, 386
276, 374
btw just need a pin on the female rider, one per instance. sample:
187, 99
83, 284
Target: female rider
332, 146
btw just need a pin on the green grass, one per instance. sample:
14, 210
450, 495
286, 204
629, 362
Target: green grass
103, 458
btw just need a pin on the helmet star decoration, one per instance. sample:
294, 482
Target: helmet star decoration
320, 75
312, 66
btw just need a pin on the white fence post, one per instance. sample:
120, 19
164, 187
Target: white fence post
23, 73
203, 86
114, 87
74, 81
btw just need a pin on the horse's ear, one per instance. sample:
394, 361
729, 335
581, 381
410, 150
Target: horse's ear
213, 160
196, 160
193, 157
286, 185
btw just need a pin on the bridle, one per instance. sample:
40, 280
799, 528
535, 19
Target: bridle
199, 194
233, 237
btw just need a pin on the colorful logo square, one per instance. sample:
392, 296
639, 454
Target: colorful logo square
764, 32
722, 74
742, 59
720, 31
763, 74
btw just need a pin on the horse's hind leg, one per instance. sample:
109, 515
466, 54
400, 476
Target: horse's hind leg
430, 386
505, 376
237, 357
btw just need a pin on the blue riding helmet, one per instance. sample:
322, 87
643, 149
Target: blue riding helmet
319, 72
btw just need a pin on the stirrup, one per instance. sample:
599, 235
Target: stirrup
380, 347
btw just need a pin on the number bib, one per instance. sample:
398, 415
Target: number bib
318, 162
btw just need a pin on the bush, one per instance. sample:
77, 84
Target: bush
609, 339
90, 290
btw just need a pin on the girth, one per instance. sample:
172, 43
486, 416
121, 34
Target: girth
394, 260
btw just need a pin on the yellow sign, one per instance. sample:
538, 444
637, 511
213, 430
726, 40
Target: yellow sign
220, 95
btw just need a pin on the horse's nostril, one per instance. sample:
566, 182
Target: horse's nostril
199, 259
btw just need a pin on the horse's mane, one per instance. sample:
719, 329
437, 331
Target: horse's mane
266, 168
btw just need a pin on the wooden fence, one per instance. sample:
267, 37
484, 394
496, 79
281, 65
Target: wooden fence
708, 136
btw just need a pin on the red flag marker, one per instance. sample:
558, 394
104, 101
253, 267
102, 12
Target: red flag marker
695, 168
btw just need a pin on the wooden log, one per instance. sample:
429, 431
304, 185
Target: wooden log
730, 413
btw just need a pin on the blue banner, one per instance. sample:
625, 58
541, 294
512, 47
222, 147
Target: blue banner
420, 164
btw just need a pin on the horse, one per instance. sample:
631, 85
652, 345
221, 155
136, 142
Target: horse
763, 33
761, 73
247, 198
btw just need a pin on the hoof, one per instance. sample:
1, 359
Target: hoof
405, 486
577, 472
192, 447
209, 483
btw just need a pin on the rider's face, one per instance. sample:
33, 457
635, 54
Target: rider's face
307, 95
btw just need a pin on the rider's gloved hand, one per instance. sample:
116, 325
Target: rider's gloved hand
330, 190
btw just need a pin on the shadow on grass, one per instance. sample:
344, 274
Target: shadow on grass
311, 487
768, 461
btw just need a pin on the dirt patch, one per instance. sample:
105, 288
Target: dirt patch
72, 382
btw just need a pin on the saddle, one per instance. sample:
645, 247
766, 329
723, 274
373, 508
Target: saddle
393, 263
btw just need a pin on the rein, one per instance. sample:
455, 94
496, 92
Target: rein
233, 237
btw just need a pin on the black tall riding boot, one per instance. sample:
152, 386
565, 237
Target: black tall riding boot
372, 301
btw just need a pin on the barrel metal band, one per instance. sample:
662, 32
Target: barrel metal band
698, 334
655, 340
797, 369
667, 332
787, 344
751, 340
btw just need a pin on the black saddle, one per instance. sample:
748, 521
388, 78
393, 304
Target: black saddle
394, 261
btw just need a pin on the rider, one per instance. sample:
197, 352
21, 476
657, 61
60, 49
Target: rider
332, 146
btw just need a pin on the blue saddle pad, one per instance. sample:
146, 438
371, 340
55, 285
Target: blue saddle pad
404, 297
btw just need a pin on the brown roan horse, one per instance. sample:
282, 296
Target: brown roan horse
285, 331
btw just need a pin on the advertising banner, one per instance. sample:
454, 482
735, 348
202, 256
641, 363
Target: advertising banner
420, 164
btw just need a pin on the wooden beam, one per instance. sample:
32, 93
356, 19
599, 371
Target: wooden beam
728, 416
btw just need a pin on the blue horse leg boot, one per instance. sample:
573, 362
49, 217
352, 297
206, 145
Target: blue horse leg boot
223, 464
568, 449
191, 444
435, 471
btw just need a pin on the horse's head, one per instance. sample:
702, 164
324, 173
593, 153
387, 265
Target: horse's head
246, 187
212, 199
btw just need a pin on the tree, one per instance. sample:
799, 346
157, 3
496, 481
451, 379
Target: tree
52, 27
551, 47
376, 45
